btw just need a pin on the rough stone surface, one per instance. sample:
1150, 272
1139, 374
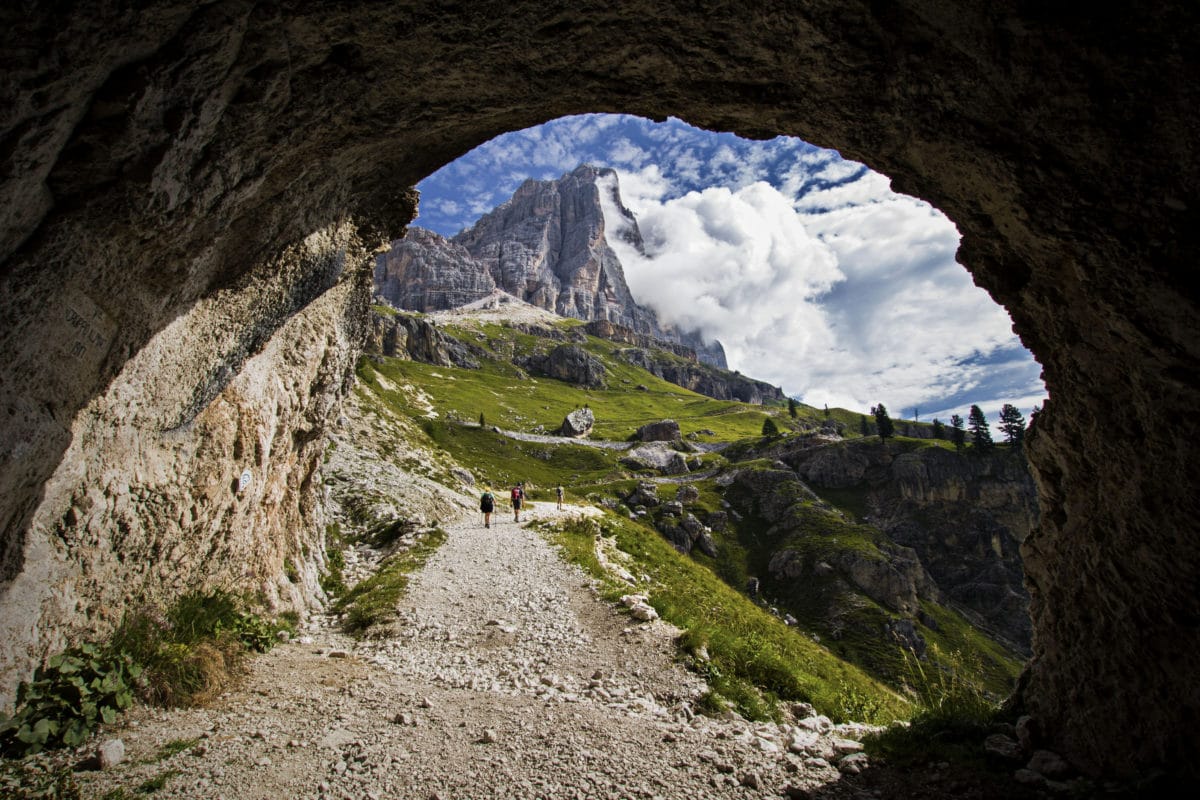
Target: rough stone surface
578, 423
155, 160
570, 363
658, 456
406, 336
964, 515
150, 496
666, 430
702, 378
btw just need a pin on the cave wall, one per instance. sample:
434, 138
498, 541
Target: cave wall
153, 159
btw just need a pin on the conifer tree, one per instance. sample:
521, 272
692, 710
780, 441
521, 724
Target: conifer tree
863, 427
981, 434
769, 427
1012, 424
883, 423
792, 407
481, 419
957, 434
939, 430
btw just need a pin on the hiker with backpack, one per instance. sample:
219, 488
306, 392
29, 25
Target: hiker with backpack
487, 504
558, 490
518, 499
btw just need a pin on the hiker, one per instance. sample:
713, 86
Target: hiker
518, 499
558, 490
487, 504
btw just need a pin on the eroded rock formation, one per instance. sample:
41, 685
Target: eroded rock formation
547, 245
157, 160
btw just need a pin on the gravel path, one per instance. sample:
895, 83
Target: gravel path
507, 678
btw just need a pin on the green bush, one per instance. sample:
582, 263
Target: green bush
71, 694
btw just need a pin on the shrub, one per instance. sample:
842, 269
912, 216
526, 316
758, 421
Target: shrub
71, 694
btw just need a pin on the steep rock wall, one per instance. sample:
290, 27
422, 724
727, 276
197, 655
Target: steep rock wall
146, 502
152, 157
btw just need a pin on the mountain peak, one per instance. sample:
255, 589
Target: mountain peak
547, 245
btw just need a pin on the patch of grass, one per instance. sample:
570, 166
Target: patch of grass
174, 747
191, 651
157, 782
749, 657
374, 601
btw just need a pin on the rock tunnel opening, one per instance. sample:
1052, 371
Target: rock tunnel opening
766, 233
151, 198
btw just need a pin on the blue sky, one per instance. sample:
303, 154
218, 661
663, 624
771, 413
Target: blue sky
809, 269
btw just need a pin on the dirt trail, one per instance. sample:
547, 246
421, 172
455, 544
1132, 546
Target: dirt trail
507, 678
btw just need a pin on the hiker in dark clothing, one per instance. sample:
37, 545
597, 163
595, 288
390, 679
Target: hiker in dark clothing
487, 504
518, 500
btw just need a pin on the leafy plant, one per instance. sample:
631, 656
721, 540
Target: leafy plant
37, 779
69, 696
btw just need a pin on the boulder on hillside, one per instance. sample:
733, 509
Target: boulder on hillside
666, 430
578, 423
646, 494
687, 493
658, 456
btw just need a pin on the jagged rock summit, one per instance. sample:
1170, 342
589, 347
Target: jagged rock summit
547, 245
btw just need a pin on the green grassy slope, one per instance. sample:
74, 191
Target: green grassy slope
753, 657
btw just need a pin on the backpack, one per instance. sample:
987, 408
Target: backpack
487, 502
516, 493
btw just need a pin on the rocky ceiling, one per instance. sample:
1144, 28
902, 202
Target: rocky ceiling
156, 159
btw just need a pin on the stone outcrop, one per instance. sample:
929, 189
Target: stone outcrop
156, 160
703, 379
965, 516
666, 430
567, 362
657, 456
578, 423
547, 246
415, 339
688, 346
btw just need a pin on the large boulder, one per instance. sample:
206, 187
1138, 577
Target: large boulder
578, 423
666, 430
656, 455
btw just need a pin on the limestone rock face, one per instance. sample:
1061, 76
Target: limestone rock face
156, 160
198, 467
569, 363
963, 515
430, 273
406, 336
547, 246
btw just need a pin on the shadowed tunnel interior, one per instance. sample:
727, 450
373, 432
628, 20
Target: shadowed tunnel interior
184, 184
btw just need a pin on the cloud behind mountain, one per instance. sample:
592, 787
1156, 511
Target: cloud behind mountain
812, 272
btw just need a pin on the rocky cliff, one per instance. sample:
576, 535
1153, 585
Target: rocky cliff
200, 466
964, 515
702, 378
547, 246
